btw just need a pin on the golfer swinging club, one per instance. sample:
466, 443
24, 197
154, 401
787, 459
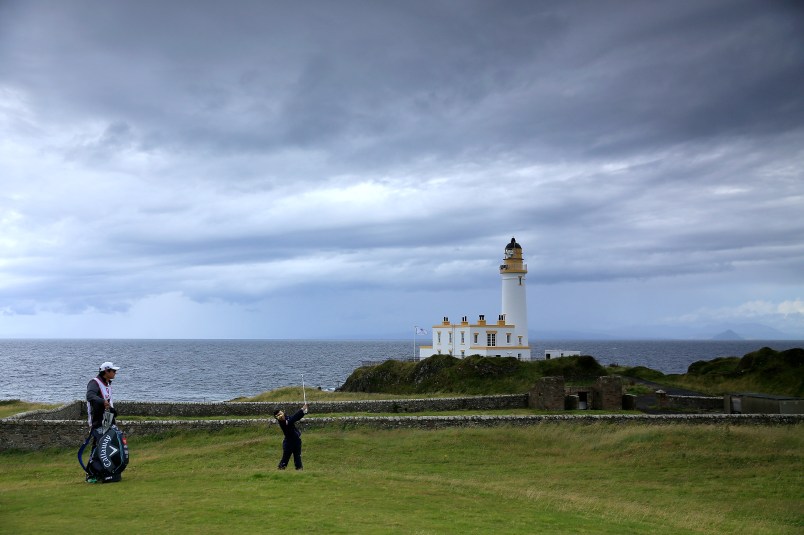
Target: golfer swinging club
292, 443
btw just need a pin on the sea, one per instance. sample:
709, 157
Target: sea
55, 371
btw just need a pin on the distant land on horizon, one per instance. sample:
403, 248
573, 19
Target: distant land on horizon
744, 331
728, 335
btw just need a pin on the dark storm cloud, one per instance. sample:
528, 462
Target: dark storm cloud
437, 78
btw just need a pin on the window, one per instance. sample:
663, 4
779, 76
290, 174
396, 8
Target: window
475, 338
450, 338
508, 338
520, 340
491, 339
462, 341
463, 353
439, 338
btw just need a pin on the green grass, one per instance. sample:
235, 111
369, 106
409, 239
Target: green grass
9, 407
565, 478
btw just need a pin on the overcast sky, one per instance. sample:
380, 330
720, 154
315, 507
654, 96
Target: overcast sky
318, 169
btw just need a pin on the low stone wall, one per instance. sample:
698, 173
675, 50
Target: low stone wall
701, 403
476, 403
41, 434
19, 434
76, 410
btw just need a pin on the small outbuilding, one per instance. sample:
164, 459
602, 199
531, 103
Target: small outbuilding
754, 403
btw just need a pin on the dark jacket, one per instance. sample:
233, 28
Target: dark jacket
95, 400
289, 427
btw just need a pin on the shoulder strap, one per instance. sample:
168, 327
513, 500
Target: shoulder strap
81, 452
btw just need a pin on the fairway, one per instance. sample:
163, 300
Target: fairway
565, 478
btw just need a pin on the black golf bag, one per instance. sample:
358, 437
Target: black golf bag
108, 458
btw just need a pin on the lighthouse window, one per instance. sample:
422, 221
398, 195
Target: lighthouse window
520, 280
475, 337
439, 338
508, 338
462, 333
450, 338
491, 339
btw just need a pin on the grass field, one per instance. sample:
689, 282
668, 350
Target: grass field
564, 478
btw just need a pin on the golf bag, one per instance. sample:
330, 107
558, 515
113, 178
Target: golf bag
108, 458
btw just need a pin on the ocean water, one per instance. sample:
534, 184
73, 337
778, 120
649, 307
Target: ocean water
219, 370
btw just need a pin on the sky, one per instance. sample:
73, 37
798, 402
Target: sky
352, 169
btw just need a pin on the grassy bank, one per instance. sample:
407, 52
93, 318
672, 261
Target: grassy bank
547, 479
765, 370
473, 375
9, 407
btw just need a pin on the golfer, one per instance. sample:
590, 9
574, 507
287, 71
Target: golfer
292, 443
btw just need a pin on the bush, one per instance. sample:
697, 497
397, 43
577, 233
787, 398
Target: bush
718, 366
472, 375
641, 372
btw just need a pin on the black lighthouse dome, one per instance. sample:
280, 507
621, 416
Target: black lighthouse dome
512, 245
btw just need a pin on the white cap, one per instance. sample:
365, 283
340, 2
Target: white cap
108, 366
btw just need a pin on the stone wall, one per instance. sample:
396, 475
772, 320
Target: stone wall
66, 426
607, 394
551, 393
698, 403
41, 434
77, 410
17, 434
547, 394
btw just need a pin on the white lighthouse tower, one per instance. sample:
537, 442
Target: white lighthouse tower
514, 302
507, 337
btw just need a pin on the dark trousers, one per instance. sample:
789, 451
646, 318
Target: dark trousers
288, 448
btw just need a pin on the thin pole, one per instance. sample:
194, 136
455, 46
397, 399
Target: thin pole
304, 393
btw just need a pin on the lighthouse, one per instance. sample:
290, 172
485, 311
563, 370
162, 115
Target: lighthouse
514, 303
507, 337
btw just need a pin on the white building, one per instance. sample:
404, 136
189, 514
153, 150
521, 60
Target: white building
507, 337
558, 353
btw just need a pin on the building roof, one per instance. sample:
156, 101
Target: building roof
763, 396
